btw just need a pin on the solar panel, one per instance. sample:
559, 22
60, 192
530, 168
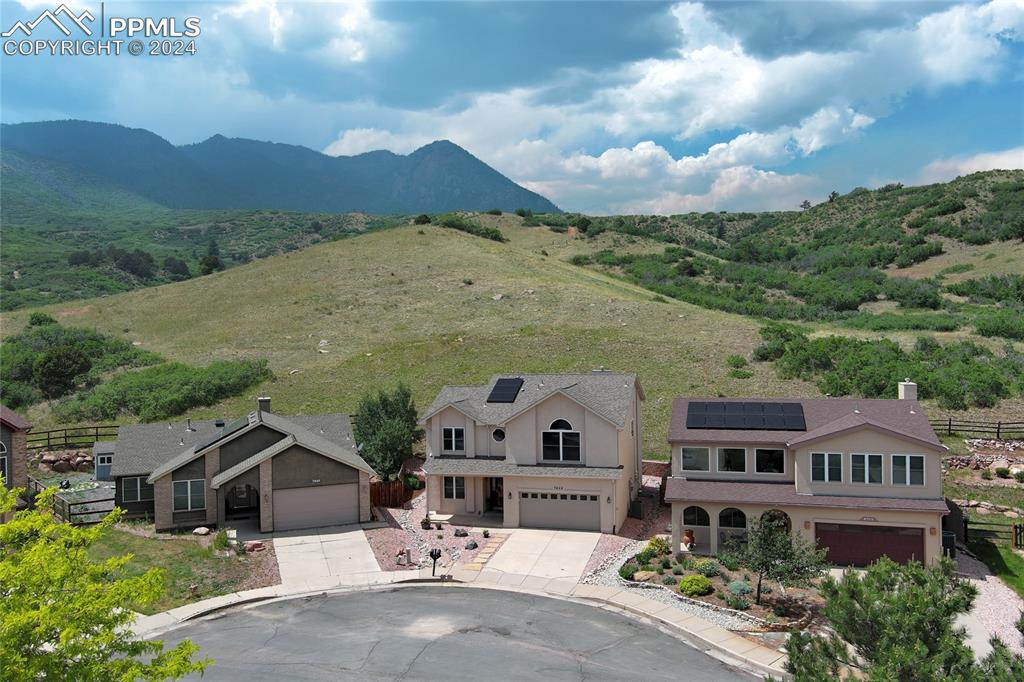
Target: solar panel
505, 390
741, 415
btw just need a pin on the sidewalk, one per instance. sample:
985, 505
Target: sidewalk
703, 635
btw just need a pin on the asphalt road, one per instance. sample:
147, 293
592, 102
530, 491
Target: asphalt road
435, 633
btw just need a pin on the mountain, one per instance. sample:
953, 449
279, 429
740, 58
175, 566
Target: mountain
235, 173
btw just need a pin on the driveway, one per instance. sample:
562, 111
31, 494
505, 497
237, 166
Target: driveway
438, 633
335, 554
545, 553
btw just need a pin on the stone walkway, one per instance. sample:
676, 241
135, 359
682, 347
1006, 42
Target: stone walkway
486, 552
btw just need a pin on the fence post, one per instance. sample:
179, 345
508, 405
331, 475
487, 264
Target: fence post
999, 430
949, 429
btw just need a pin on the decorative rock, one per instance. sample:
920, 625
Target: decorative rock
471, 544
254, 546
201, 530
45, 467
983, 511
1011, 514
461, 533
61, 467
49, 458
644, 576
497, 297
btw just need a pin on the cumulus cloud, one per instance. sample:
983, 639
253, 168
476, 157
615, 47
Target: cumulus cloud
359, 140
942, 170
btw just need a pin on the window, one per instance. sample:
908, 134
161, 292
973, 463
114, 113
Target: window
769, 461
453, 439
3, 448
498, 435
732, 460
908, 469
696, 516
695, 459
866, 468
3, 469
827, 467
189, 495
104, 459
732, 517
561, 443
454, 488
135, 489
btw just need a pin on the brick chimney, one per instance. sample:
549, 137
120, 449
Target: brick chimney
908, 390
263, 403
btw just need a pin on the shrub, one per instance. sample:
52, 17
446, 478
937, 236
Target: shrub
706, 567
1003, 472
645, 556
220, 540
729, 561
387, 429
1006, 322
668, 580
986, 474
467, 281
1020, 623
493, 211
736, 361
740, 373
737, 603
40, 320
1019, 476
666, 563
458, 222
412, 483
677, 570
695, 586
740, 588
628, 570
659, 570
659, 546
56, 369
421, 219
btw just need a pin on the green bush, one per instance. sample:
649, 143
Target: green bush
659, 546
737, 603
678, 570
736, 361
493, 211
628, 570
387, 429
463, 224
220, 540
1019, 476
1020, 623
729, 561
740, 588
740, 373
668, 580
706, 567
40, 320
56, 370
645, 556
1003, 472
413, 483
1007, 323
695, 586
421, 219
986, 474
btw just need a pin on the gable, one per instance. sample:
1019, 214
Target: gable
299, 467
867, 438
560, 405
247, 444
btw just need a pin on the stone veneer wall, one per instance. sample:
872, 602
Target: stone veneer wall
364, 497
266, 496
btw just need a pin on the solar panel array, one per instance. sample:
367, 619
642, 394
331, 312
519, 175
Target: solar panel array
505, 390
746, 416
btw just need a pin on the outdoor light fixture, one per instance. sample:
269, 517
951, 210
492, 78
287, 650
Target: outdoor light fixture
609, 500
510, 494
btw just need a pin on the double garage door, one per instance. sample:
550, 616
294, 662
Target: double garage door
855, 545
325, 505
569, 511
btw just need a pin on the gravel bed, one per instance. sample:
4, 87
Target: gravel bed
997, 606
405, 531
608, 574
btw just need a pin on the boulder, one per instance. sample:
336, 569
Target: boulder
45, 468
254, 546
461, 533
644, 576
201, 530
471, 544
983, 511
49, 458
61, 467
1011, 514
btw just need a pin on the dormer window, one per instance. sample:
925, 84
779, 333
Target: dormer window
560, 443
453, 439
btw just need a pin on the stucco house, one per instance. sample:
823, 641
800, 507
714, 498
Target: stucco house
536, 450
13, 449
287, 472
860, 477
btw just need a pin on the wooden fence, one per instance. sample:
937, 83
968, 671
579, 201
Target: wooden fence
1003, 533
389, 494
69, 438
980, 429
75, 512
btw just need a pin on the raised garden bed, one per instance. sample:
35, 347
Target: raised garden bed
721, 583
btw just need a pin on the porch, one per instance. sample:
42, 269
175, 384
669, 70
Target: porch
467, 500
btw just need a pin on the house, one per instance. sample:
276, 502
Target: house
539, 450
287, 472
13, 448
862, 478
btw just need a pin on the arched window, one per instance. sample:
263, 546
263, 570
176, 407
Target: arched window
696, 516
731, 517
777, 516
3, 448
560, 443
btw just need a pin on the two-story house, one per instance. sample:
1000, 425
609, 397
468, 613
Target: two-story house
542, 450
284, 472
860, 477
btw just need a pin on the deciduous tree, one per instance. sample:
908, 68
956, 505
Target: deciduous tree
386, 428
772, 551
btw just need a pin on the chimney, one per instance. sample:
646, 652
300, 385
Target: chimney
908, 390
264, 403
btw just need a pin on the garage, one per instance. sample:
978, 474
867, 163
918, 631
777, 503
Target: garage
326, 505
569, 511
858, 545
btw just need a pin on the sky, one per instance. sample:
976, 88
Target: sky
603, 107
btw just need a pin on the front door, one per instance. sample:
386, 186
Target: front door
495, 494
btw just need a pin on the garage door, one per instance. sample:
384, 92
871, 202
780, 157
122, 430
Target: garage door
853, 545
325, 505
570, 511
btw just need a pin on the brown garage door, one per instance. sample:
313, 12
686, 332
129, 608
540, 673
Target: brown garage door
854, 545
566, 511
325, 505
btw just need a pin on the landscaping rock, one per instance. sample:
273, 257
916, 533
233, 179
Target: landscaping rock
45, 468
1011, 514
471, 544
983, 511
201, 530
644, 576
253, 546
461, 533
49, 458
61, 467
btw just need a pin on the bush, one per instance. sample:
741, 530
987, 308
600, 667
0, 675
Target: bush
666, 563
421, 219
659, 546
56, 370
1003, 472
1020, 623
729, 561
493, 211
737, 603
645, 556
986, 474
458, 222
695, 586
706, 567
668, 580
220, 540
736, 361
40, 320
1007, 322
628, 570
740, 588
413, 483
677, 570
387, 429
740, 373
1019, 476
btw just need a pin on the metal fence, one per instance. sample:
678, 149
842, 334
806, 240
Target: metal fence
980, 429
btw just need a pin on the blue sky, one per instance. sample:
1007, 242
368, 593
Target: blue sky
603, 107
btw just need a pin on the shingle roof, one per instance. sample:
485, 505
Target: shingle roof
103, 447
477, 466
12, 419
142, 448
824, 416
607, 394
679, 489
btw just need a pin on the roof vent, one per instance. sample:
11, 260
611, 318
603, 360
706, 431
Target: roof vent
181, 441
188, 425
263, 403
601, 370
219, 423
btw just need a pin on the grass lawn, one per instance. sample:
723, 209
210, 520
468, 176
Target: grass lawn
1002, 561
184, 561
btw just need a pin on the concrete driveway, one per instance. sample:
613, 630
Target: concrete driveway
545, 553
324, 555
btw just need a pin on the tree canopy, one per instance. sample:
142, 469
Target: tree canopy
385, 426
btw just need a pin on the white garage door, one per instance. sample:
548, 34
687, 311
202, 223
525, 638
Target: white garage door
325, 505
569, 511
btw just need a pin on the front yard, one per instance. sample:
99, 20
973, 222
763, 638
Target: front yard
186, 560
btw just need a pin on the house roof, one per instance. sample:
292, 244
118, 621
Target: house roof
140, 449
103, 447
680, 489
480, 466
824, 416
13, 420
607, 394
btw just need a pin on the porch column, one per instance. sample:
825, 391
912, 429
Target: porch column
713, 528
677, 523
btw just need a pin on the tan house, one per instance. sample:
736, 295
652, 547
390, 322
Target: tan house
282, 472
860, 477
543, 451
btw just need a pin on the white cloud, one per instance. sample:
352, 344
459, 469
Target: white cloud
738, 188
942, 170
359, 140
